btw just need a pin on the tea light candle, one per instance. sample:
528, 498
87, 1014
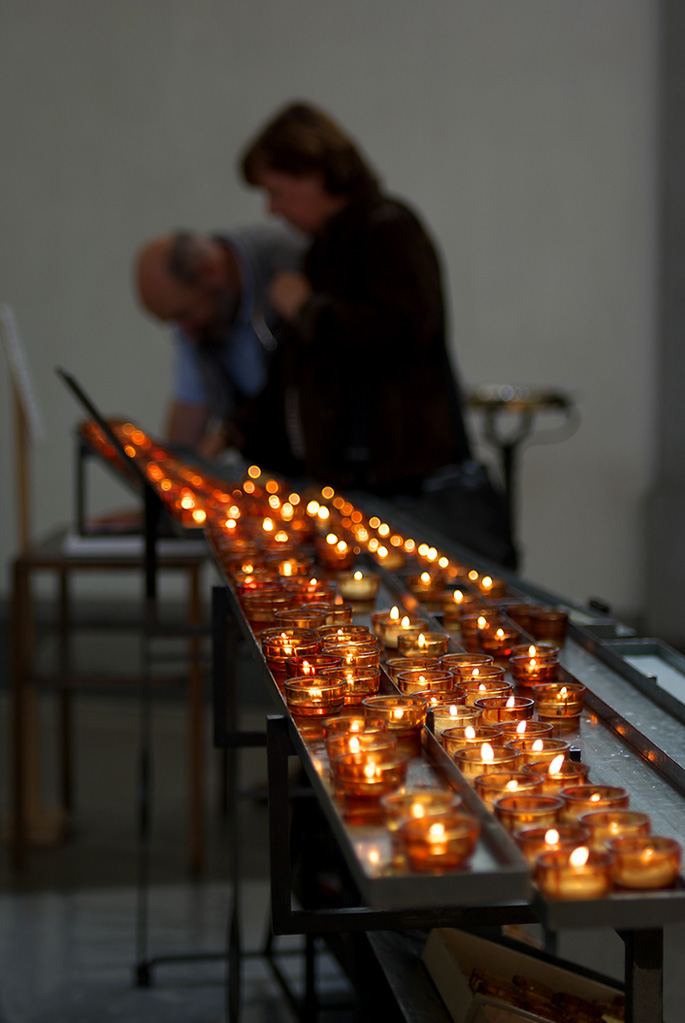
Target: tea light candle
484, 760
314, 696
526, 729
394, 665
367, 741
559, 702
359, 655
312, 664
475, 688
401, 713
548, 623
581, 873
521, 811
336, 613
646, 862
535, 840
581, 799
469, 736
529, 671
558, 774
480, 672
390, 628
491, 589
358, 586
537, 749
467, 662
413, 641
499, 640
352, 720
454, 714
417, 679
369, 775
440, 843
605, 824
453, 603
436, 699
505, 708
300, 617
359, 681
537, 650
505, 783
427, 585
417, 804
472, 626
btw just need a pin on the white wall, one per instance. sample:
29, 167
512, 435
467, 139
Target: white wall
523, 129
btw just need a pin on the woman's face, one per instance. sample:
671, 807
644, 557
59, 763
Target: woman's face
303, 200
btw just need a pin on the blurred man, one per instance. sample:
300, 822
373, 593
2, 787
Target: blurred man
213, 290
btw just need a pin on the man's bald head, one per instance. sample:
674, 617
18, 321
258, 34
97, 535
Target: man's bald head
189, 279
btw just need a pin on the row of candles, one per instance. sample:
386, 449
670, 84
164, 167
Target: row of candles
581, 838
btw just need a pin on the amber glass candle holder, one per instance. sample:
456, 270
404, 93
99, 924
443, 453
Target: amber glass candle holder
519, 614
401, 713
538, 839
645, 861
478, 688
359, 655
300, 617
538, 749
310, 664
473, 625
351, 720
417, 641
480, 672
370, 740
394, 665
579, 873
410, 804
549, 624
470, 737
559, 702
526, 729
580, 799
337, 613
530, 671
427, 586
369, 775
389, 629
438, 699
526, 811
491, 588
417, 679
499, 640
505, 783
454, 603
359, 681
464, 663
310, 591
505, 708
454, 715
538, 649
556, 776
605, 824
358, 586
334, 554
314, 696
485, 759
440, 843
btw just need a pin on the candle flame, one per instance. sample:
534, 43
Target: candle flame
421, 640
405, 622
595, 797
579, 856
487, 753
470, 732
521, 728
511, 702
482, 622
374, 856
475, 673
458, 596
563, 693
286, 568
436, 832
354, 744
551, 837
417, 810
425, 578
532, 650
394, 613
370, 770
268, 525
454, 710
357, 576
647, 854
511, 785
398, 713
555, 766
486, 582
533, 664
538, 746
499, 634
482, 688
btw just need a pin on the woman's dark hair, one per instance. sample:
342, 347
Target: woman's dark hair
303, 140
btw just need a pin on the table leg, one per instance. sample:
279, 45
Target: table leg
644, 975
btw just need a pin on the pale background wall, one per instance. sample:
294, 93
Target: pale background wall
524, 130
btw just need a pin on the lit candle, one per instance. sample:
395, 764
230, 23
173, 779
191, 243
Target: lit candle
394, 665
499, 640
521, 811
358, 586
310, 664
314, 696
440, 843
505, 708
558, 774
648, 862
580, 874
417, 679
464, 663
527, 670
460, 737
548, 623
505, 783
581, 799
390, 626
477, 688
535, 840
526, 729
559, 702
402, 713
411, 804
359, 681
427, 586
413, 641
540, 749
454, 603
484, 760
367, 741
454, 714
605, 824
370, 775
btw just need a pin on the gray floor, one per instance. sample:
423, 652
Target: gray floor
70, 937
